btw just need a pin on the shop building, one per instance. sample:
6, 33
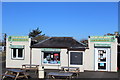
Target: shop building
17, 51
57, 52
52, 53
102, 54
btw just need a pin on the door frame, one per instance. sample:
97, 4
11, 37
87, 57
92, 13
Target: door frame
108, 59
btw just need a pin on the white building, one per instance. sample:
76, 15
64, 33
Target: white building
57, 52
102, 54
17, 51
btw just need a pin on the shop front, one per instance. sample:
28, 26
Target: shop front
57, 52
103, 49
61, 52
17, 51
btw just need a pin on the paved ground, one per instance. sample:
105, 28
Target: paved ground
93, 74
87, 75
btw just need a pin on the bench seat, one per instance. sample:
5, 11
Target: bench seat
8, 75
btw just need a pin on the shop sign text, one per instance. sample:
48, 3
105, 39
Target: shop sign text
102, 38
18, 38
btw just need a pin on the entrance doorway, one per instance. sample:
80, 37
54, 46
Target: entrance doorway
102, 59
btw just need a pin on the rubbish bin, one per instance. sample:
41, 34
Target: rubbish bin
41, 72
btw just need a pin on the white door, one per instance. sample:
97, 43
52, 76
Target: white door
102, 59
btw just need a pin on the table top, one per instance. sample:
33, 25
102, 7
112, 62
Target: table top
60, 73
15, 70
30, 65
71, 67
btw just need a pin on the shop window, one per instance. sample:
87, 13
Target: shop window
76, 58
17, 53
102, 55
51, 58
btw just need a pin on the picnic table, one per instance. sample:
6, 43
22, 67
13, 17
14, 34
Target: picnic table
61, 74
71, 69
30, 67
15, 73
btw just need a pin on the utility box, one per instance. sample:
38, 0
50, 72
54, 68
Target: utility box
41, 72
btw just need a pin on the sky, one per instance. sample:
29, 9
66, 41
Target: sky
60, 19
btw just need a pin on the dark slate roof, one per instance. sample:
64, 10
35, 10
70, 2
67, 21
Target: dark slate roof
59, 42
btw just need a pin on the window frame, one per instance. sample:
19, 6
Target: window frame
18, 58
82, 58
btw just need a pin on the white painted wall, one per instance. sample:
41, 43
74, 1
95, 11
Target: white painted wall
36, 56
10, 63
89, 60
114, 57
89, 57
64, 57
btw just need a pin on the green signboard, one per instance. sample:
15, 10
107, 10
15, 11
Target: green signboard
102, 38
50, 49
18, 38
102, 45
16, 46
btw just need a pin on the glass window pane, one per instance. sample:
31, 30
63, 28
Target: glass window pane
51, 58
102, 55
14, 53
20, 52
76, 58
101, 65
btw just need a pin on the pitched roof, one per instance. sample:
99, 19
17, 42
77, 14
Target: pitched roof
59, 42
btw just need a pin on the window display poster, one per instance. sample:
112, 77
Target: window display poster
51, 58
101, 64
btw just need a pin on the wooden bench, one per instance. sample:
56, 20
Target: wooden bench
61, 74
75, 70
15, 73
30, 67
8, 75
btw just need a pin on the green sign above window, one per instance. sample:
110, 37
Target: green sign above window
102, 38
102, 45
50, 49
16, 46
18, 38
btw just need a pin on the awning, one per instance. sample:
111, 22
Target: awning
16, 46
50, 49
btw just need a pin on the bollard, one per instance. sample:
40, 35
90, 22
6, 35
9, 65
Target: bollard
81, 69
41, 72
